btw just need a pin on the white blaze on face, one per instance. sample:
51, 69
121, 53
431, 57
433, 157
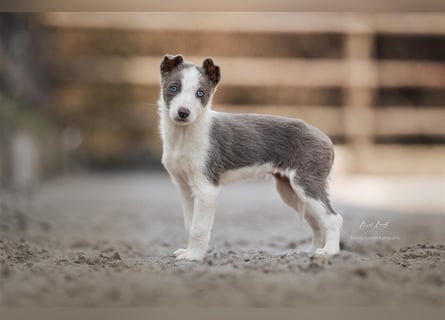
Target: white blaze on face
187, 97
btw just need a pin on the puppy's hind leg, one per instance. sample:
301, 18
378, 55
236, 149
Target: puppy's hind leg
330, 222
297, 201
325, 222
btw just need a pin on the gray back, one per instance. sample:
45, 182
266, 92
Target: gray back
243, 140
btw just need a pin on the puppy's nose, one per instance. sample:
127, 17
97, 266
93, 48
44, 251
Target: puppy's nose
183, 112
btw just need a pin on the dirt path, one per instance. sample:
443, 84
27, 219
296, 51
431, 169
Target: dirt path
106, 240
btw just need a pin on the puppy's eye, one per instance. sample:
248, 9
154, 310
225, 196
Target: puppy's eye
173, 88
200, 93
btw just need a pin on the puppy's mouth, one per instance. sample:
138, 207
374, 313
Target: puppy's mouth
181, 122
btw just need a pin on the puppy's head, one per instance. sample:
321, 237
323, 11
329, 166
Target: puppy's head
186, 88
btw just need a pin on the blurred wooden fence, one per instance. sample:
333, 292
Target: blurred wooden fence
372, 82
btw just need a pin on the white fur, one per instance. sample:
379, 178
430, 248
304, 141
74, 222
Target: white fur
255, 172
326, 237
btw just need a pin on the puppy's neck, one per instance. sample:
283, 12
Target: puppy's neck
188, 136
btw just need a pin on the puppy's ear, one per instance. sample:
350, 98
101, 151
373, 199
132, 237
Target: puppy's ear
170, 62
212, 71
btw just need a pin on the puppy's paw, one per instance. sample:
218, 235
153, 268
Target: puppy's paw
190, 255
326, 251
320, 252
179, 252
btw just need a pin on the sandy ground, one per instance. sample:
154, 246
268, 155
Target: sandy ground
106, 240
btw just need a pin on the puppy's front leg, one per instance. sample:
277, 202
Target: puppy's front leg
202, 221
187, 206
187, 209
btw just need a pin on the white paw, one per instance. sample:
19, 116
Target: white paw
314, 249
326, 251
320, 252
179, 252
316, 245
190, 255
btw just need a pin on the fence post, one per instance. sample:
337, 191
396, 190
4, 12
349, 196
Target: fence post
358, 113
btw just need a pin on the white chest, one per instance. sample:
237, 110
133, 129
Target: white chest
184, 155
186, 168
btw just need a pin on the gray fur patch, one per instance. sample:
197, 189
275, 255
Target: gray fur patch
173, 77
207, 87
243, 140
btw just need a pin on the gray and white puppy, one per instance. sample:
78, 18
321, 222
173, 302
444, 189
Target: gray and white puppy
204, 149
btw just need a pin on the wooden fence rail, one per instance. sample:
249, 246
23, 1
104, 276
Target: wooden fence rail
327, 69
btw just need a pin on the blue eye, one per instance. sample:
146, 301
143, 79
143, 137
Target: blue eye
200, 93
173, 88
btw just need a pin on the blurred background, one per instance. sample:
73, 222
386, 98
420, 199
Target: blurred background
78, 91
88, 216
